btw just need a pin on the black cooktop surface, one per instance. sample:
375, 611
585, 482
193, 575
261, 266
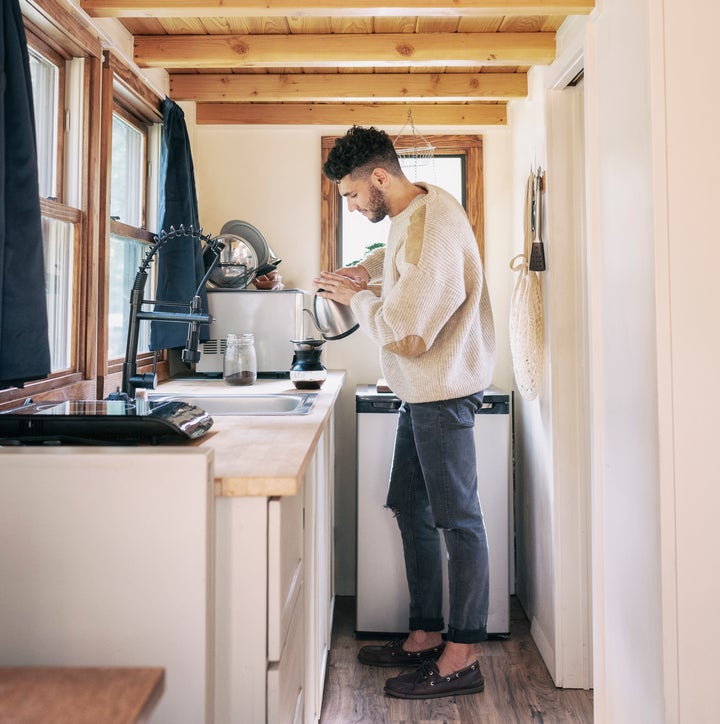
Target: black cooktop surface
102, 422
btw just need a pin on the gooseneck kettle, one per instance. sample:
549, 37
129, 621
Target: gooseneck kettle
333, 320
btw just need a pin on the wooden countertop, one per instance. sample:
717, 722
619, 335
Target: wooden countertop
70, 695
261, 455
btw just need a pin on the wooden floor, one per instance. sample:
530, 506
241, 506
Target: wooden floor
518, 688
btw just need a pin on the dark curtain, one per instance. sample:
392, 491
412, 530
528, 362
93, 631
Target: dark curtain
180, 263
24, 346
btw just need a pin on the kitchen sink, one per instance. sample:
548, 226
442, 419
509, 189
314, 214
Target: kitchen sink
257, 404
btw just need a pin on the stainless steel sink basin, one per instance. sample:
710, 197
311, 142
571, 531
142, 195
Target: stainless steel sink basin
223, 404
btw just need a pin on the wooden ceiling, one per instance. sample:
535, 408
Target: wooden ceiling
453, 62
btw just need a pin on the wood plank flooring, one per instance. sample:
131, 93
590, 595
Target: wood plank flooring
518, 688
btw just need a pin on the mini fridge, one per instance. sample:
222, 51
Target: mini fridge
381, 589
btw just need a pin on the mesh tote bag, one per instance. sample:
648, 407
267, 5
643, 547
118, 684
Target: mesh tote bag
526, 314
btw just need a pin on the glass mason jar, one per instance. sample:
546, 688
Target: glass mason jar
240, 362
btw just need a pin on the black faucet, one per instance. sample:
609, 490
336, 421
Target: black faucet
131, 380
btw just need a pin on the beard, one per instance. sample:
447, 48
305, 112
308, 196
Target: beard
377, 208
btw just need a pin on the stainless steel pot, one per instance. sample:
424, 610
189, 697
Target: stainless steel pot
238, 264
333, 320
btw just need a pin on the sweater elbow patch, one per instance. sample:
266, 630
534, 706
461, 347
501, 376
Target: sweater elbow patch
415, 236
410, 346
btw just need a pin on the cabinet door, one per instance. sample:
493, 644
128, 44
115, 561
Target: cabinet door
241, 610
285, 678
103, 566
285, 567
318, 571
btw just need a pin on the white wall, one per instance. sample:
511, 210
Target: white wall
552, 476
687, 154
533, 431
626, 502
654, 189
623, 405
270, 177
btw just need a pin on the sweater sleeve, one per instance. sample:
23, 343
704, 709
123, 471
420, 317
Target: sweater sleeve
373, 262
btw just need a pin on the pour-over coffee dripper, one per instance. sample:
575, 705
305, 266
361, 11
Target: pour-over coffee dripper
307, 372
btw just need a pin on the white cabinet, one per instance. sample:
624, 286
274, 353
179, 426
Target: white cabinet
274, 599
106, 559
319, 589
125, 557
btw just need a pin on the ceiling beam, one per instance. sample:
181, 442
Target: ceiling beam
348, 114
428, 50
357, 88
332, 8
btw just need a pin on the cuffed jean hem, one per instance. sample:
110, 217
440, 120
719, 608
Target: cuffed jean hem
427, 624
466, 637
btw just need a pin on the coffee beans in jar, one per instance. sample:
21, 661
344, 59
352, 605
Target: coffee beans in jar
240, 362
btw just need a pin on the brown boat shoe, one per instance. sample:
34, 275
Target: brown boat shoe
426, 682
393, 654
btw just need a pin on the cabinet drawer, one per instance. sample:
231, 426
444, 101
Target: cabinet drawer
285, 694
285, 567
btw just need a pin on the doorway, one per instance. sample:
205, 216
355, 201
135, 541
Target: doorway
567, 300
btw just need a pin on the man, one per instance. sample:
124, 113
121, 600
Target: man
434, 325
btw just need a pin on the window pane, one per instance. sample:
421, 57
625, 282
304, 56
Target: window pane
125, 257
357, 232
44, 77
58, 246
128, 175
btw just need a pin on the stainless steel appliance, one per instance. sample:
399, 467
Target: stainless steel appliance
381, 591
273, 317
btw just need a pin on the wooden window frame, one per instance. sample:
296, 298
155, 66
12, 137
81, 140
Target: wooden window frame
469, 146
128, 96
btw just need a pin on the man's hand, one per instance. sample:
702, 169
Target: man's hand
357, 273
341, 287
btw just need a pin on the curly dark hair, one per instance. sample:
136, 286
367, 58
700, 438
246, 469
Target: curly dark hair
361, 150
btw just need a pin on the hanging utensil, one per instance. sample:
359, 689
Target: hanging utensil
537, 252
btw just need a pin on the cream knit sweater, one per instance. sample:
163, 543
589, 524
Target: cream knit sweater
433, 321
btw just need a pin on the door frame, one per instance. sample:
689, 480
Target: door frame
568, 299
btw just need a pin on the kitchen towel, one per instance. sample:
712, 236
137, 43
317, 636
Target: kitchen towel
180, 262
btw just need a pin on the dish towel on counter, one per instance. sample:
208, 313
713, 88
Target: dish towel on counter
180, 262
24, 346
527, 344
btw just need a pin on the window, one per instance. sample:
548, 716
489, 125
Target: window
129, 241
84, 100
129, 173
127, 203
59, 242
61, 223
45, 77
357, 233
457, 162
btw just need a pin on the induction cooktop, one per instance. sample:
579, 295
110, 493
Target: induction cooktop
102, 422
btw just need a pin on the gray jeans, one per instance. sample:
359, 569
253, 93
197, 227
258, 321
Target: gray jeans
433, 487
